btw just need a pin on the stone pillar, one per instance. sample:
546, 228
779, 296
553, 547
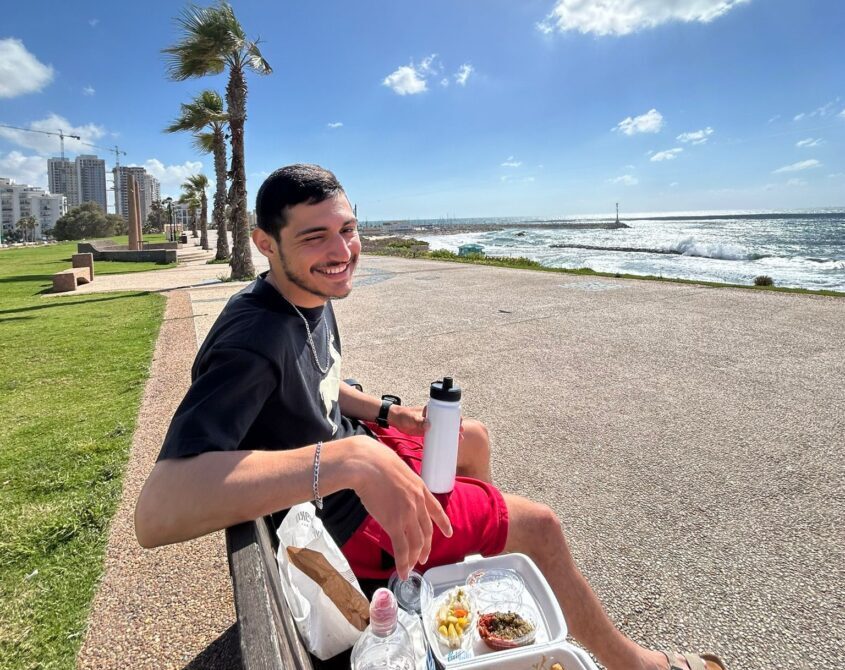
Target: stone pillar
139, 225
134, 214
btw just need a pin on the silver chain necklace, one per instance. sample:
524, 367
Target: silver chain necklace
323, 370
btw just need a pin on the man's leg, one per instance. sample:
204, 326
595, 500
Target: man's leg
474, 451
533, 529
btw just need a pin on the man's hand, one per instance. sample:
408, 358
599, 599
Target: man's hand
412, 420
398, 499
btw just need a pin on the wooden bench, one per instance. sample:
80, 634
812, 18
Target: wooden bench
268, 635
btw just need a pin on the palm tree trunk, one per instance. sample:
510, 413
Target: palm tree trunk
204, 222
218, 216
241, 262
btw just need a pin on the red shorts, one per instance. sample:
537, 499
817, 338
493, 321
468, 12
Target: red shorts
476, 510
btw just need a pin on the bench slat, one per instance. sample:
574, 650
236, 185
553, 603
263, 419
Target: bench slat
268, 635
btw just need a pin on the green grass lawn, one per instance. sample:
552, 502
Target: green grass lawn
72, 374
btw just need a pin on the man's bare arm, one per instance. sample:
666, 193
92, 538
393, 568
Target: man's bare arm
358, 405
185, 498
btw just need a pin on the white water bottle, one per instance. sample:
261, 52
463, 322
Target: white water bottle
440, 448
386, 644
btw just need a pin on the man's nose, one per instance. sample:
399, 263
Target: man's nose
340, 250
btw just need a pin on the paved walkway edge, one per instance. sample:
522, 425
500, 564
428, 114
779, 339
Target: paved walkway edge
161, 608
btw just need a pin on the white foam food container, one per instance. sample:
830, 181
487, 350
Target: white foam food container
537, 598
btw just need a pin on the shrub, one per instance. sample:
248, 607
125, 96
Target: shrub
763, 280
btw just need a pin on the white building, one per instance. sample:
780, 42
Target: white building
181, 215
20, 200
81, 180
148, 186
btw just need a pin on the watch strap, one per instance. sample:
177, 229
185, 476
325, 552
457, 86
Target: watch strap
381, 419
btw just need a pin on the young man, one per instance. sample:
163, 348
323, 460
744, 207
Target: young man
267, 423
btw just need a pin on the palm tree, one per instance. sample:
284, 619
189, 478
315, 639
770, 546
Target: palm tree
28, 224
213, 40
197, 184
190, 199
206, 112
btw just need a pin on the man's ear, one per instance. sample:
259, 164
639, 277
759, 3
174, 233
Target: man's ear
263, 242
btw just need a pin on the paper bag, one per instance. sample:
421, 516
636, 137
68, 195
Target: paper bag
323, 595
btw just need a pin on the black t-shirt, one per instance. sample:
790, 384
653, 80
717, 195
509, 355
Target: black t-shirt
255, 385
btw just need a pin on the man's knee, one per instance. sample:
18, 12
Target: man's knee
476, 432
542, 518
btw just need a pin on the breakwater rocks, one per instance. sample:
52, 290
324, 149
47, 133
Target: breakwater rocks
455, 229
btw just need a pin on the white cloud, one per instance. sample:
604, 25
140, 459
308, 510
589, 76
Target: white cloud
625, 180
650, 122
668, 155
774, 118
825, 110
49, 145
511, 163
30, 170
809, 142
20, 71
800, 165
621, 17
429, 65
89, 90
796, 182
842, 114
335, 124
696, 136
836, 175
93, 22
463, 74
171, 176
444, 82
796, 167
405, 80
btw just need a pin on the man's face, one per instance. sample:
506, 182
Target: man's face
318, 252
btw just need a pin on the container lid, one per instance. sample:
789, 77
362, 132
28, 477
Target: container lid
496, 585
445, 390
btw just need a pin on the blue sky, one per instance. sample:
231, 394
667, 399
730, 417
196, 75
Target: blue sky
461, 108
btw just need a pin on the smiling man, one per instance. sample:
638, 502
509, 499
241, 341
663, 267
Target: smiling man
267, 423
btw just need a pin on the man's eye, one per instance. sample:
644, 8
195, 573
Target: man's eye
312, 239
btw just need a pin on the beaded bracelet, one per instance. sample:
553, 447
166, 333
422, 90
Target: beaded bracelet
318, 499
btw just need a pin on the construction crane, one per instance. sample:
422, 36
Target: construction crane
116, 151
60, 134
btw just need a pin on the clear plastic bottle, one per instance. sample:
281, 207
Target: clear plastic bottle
385, 644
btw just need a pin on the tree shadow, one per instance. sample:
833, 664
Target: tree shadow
58, 302
24, 278
15, 318
222, 654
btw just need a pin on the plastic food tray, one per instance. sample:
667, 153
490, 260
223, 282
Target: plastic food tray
550, 640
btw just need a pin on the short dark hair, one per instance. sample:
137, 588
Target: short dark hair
289, 186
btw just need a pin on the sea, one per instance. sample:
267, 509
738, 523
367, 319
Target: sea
802, 249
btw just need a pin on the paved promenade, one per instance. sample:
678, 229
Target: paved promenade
689, 438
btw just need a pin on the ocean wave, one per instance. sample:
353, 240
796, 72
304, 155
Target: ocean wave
685, 247
689, 246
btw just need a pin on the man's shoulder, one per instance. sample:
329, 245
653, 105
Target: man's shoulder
248, 323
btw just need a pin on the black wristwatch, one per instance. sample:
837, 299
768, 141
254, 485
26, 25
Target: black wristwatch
386, 402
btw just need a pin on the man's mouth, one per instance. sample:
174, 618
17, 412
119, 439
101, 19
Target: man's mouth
335, 271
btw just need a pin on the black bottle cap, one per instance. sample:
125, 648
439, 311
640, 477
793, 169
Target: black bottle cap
445, 390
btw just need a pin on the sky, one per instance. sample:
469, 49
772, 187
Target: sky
464, 109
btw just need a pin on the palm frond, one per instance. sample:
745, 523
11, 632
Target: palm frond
254, 60
204, 142
198, 182
205, 39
